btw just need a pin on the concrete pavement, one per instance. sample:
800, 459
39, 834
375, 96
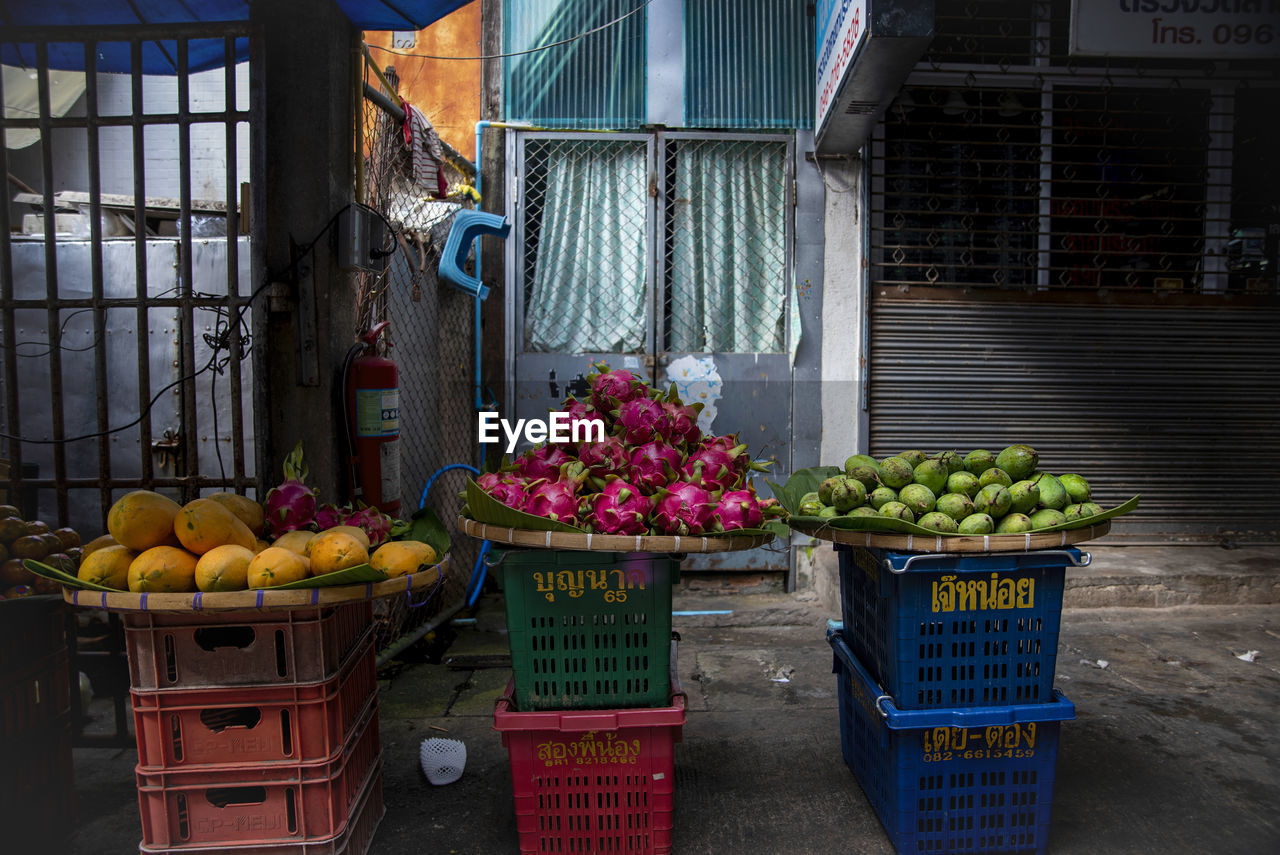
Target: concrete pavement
1174, 749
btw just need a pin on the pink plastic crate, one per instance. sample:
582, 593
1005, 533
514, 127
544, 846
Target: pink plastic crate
355, 839
234, 726
194, 651
593, 780
258, 805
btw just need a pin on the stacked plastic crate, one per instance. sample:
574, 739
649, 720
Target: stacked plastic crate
257, 731
948, 715
594, 709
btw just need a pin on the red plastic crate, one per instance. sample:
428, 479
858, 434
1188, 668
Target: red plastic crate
356, 837
193, 651
261, 724
254, 805
593, 780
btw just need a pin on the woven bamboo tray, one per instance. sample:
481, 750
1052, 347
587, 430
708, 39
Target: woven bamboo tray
531, 539
258, 599
955, 543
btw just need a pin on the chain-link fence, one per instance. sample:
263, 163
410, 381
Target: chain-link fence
432, 337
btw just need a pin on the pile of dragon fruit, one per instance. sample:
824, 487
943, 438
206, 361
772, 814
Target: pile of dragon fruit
292, 505
653, 473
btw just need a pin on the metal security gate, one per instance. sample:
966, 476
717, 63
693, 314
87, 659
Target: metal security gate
665, 254
1081, 254
124, 284
1139, 399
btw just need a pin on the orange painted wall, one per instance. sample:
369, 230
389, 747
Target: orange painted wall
447, 91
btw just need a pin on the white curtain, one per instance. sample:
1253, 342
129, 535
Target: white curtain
588, 284
727, 274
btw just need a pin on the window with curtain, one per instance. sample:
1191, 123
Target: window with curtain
722, 253
585, 246
726, 246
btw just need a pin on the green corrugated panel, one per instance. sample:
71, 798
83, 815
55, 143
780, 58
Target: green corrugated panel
595, 81
748, 64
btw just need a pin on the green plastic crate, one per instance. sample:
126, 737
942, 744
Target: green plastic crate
589, 630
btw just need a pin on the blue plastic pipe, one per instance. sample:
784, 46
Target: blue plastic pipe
478, 570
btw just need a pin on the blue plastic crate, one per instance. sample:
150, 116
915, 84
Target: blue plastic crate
977, 779
942, 631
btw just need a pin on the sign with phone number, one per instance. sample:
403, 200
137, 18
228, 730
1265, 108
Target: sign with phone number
1175, 29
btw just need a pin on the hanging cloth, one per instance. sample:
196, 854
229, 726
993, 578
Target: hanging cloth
427, 154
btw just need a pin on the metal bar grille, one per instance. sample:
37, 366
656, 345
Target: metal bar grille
102, 342
1005, 164
1080, 253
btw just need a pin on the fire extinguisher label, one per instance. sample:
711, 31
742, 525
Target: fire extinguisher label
377, 412
389, 457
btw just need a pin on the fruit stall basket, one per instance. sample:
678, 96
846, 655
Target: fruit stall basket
957, 780
588, 630
357, 584
956, 630
594, 780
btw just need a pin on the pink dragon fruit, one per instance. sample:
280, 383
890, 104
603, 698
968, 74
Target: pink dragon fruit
636, 420
737, 509
506, 488
654, 465
555, 500
727, 442
543, 462
372, 522
609, 388
608, 457
583, 415
329, 516
682, 508
679, 424
715, 468
617, 509
291, 505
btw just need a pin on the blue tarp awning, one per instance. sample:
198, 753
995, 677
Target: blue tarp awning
158, 58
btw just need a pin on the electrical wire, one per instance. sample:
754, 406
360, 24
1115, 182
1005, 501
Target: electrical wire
582, 35
62, 329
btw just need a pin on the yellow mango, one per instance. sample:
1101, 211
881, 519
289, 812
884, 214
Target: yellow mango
224, 568
276, 565
401, 557
164, 569
142, 519
203, 524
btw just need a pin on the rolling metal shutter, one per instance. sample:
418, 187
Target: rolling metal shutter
1179, 404
1080, 253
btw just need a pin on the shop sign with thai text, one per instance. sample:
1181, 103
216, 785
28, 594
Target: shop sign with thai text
842, 28
1176, 29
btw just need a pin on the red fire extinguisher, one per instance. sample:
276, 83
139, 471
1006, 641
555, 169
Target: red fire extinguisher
373, 424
